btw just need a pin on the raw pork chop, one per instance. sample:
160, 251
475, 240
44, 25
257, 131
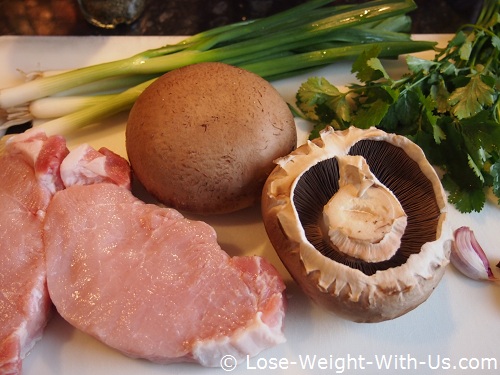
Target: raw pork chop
147, 281
29, 175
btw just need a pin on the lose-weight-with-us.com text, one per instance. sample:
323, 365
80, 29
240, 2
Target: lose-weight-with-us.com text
361, 363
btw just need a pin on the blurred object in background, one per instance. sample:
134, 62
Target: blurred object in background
188, 17
110, 13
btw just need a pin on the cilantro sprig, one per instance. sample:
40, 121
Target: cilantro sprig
450, 106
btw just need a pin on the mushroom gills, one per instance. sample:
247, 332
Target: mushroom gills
320, 192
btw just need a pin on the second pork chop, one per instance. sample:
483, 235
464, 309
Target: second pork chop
29, 176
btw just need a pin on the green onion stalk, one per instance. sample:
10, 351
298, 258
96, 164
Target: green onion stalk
313, 34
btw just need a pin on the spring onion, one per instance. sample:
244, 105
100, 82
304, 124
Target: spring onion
309, 35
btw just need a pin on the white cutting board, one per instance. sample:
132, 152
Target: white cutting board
458, 326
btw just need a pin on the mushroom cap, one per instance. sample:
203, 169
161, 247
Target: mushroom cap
203, 138
352, 283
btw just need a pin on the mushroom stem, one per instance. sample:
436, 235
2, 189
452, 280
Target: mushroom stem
364, 219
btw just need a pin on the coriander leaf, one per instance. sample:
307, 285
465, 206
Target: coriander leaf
466, 48
322, 102
427, 144
316, 90
335, 113
438, 133
468, 100
481, 132
440, 95
495, 40
376, 65
475, 168
464, 200
325, 114
455, 155
429, 105
342, 109
447, 68
366, 68
390, 122
368, 116
469, 201
408, 109
313, 93
417, 65
458, 39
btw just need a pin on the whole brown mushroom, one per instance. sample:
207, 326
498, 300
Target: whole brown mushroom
358, 218
203, 138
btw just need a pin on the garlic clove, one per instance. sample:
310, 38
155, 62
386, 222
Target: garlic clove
468, 256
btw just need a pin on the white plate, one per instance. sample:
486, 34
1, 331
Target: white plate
458, 326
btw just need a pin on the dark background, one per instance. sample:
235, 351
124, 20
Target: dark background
187, 17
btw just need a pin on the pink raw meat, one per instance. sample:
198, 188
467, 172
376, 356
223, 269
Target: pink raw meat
147, 281
29, 175
84, 166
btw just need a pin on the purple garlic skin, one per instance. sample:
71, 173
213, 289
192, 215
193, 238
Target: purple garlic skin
468, 257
